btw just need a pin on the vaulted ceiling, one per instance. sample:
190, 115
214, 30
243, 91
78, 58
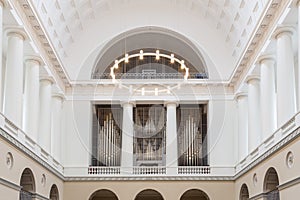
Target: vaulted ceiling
220, 28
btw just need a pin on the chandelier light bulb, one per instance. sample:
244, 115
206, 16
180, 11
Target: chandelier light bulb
172, 58
116, 66
126, 58
156, 91
182, 64
141, 55
157, 55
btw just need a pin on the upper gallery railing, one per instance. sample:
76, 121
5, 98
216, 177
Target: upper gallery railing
149, 75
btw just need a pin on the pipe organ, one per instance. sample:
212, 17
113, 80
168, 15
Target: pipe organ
108, 137
191, 135
149, 135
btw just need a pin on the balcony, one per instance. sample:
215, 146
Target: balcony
150, 75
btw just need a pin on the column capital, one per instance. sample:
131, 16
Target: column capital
58, 95
240, 95
171, 102
35, 59
252, 78
266, 57
125, 103
281, 30
16, 32
47, 78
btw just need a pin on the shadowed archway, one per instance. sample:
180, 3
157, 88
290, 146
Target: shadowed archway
271, 183
244, 193
194, 194
149, 195
103, 195
27, 184
54, 195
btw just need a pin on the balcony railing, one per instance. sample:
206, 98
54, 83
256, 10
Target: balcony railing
149, 76
18, 137
276, 140
149, 170
153, 170
194, 170
104, 170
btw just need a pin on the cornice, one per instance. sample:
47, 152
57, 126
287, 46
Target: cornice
37, 34
153, 178
10, 184
263, 32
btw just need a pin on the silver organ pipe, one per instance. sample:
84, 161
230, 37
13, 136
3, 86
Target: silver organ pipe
109, 143
190, 142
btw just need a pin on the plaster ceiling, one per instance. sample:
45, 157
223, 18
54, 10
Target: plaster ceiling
221, 28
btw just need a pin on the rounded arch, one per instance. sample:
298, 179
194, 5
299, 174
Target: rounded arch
54, 194
145, 38
194, 194
244, 193
149, 194
103, 194
271, 183
27, 183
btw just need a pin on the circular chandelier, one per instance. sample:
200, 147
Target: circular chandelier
141, 55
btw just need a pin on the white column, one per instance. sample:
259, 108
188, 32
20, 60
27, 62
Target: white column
268, 95
127, 138
44, 134
286, 97
56, 117
254, 114
242, 102
171, 139
1, 46
31, 97
13, 85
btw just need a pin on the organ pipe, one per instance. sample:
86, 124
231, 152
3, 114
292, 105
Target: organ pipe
109, 142
190, 142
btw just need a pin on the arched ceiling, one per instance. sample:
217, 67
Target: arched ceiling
222, 28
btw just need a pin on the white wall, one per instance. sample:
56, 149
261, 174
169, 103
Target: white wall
221, 132
77, 132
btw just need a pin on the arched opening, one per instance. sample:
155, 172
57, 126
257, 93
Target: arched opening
54, 193
149, 195
27, 184
271, 183
244, 193
103, 195
149, 41
194, 194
